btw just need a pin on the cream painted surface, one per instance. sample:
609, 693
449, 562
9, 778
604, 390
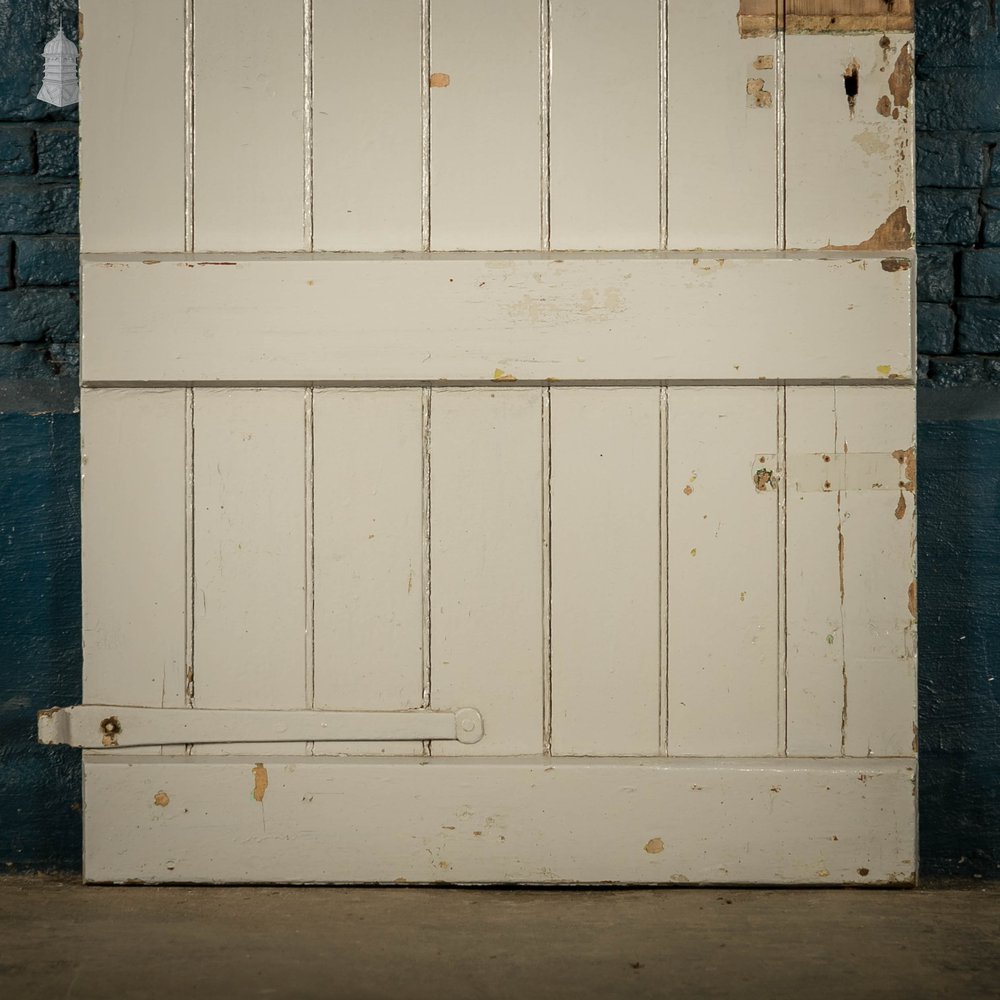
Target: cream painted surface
547, 486
847, 169
249, 175
135, 612
486, 563
367, 563
722, 572
250, 616
535, 820
132, 136
605, 571
485, 138
366, 125
721, 191
605, 122
598, 317
850, 570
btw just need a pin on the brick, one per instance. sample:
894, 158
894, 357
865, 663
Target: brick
23, 361
947, 216
6, 258
956, 371
991, 228
63, 359
47, 260
956, 33
935, 328
58, 152
923, 368
31, 315
944, 160
935, 275
17, 155
979, 328
981, 273
29, 207
959, 99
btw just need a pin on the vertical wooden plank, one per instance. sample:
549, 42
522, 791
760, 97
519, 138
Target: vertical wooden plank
132, 133
485, 137
721, 191
849, 153
133, 522
249, 99
606, 571
367, 125
723, 572
815, 664
850, 569
878, 568
250, 552
605, 125
368, 555
486, 564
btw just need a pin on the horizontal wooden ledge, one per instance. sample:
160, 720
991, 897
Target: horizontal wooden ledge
530, 820
497, 318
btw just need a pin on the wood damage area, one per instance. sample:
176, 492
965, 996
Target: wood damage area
761, 18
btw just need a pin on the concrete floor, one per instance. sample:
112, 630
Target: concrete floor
61, 939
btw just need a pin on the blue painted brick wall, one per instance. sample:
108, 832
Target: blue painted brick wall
958, 191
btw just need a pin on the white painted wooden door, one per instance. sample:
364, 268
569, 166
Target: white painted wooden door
550, 359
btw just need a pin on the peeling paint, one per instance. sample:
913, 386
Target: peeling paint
259, 781
901, 78
499, 375
894, 264
759, 97
894, 234
911, 599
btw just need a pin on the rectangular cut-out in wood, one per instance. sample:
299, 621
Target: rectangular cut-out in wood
605, 571
535, 820
367, 563
367, 125
759, 17
723, 681
605, 125
849, 142
469, 317
485, 138
722, 101
249, 550
486, 563
132, 136
133, 521
249, 173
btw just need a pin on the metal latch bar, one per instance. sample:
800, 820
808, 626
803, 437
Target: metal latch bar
107, 726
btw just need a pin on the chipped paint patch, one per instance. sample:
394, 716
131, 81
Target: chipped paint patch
894, 234
852, 84
901, 78
161, 799
110, 730
259, 781
901, 507
654, 846
499, 375
440, 80
911, 599
908, 472
894, 264
757, 96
